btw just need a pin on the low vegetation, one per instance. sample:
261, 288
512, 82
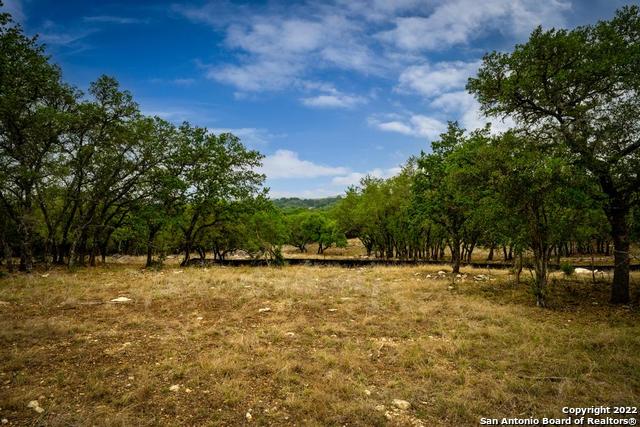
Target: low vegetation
307, 346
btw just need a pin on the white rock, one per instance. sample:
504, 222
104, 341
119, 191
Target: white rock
5, 421
264, 310
248, 416
35, 405
401, 404
290, 334
121, 299
367, 392
333, 309
380, 408
199, 318
581, 270
174, 387
441, 273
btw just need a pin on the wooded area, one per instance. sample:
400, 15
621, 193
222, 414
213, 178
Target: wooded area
86, 175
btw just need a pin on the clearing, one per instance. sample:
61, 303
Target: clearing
117, 345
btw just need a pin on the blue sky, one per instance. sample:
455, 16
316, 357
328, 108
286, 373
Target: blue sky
329, 91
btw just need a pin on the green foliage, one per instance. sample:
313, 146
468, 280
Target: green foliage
577, 90
295, 203
567, 268
314, 227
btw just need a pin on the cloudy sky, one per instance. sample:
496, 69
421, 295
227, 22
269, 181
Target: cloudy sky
329, 91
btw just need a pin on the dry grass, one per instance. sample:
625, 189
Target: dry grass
335, 346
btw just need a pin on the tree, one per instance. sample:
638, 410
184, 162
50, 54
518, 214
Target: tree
438, 195
537, 190
300, 230
579, 89
33, 100
219, 169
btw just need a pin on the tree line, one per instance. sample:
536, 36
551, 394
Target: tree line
85, 175
566, 175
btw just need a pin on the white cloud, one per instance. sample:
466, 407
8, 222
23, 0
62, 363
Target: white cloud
456, 22
287, 164
416, 125
64, 38
249, 136
432, 80
276, 46
109, 19
180, 81
467, 110
277, 38
327, 96
354, 177
333, 101
276, 50
256, 76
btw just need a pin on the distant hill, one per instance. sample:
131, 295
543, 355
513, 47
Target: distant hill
297, 203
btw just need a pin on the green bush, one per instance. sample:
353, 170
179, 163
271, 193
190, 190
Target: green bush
567, 268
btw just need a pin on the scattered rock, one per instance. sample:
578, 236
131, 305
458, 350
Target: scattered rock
5, 421
248, 415
581, 270
450, 288
199, 318
264, 310
121, 299
35, 405
401, 404
380, 408
188, 390
290, 334
367, 392
174, 387
44, 275
333, 309
4, 303
442, 273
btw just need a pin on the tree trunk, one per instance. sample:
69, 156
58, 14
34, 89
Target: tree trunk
540, 262
620, 233
455, 256
187, 254
8, 255
149, 255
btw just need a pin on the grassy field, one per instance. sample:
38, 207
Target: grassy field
306, 346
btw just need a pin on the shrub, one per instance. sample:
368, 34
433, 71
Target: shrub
567, 268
